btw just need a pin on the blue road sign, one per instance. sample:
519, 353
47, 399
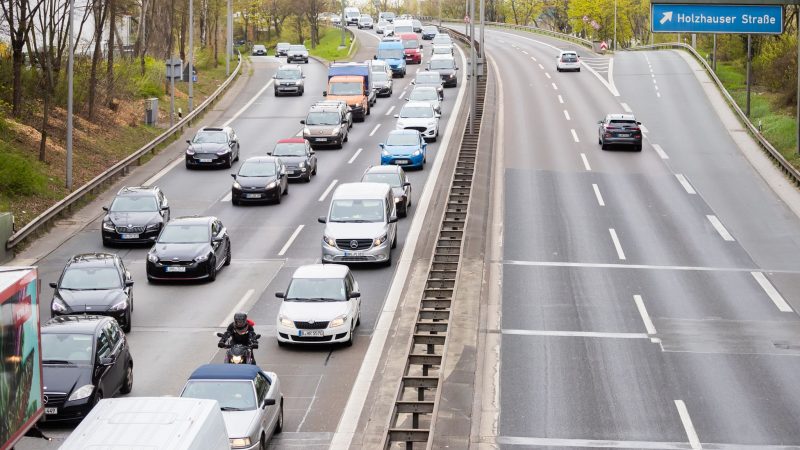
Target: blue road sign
753, 19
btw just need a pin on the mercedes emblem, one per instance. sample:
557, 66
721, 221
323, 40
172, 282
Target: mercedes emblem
45, 399
354, 244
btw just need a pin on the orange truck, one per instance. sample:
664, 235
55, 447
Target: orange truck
351, 82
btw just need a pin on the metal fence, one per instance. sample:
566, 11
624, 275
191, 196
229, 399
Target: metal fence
120, 168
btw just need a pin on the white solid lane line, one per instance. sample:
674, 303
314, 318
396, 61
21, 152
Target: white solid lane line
555, 87
327, 191
358, 152
626, 107
773, 293
547, 75
644, 129
566, 114
372, 133
575, 135
560, 100
291, 240
239, 306
648, 324
248, 104
686, 420
598, 195
617, 245
685, 183
661, 153
720, 228
227, 197
390, 110
585, 162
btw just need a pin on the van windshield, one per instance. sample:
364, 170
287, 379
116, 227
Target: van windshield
231, 395
359, 211
347, 88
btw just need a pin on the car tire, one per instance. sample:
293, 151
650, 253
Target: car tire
404, 212
315, 171
345, 138
349, 341
238, 153
603, 146
578, 70
638, 148
599, 141
228, 257
128, 320
308, 177
188, 167
278, 198
279, 425
394, 243
286, 191
127, 385
212, 269
230, 163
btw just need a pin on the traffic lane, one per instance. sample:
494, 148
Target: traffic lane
592, 388
704, 151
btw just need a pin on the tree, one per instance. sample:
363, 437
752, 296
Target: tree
99, 12
311, 10
18, 15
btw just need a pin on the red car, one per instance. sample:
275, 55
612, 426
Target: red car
412, 48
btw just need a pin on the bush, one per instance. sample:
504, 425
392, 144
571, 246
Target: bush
19, 177
776, 63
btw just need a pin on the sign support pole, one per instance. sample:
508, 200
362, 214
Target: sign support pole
343, 22
749, 72
171, 98
191, 56
798, 81
714, 55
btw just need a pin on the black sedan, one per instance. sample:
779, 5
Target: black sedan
135, 216
84, 359
189, 248
298, 157
95, 283
619, 129
213, 147
261, 178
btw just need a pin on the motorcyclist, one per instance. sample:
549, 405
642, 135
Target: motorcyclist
240, 331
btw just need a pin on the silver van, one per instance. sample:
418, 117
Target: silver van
361, 225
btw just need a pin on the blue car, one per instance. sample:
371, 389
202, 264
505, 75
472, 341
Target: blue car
404, 148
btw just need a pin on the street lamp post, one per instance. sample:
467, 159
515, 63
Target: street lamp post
229, 45
191, 55
615, 25
70, 77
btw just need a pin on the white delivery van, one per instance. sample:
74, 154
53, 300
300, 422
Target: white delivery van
163, 423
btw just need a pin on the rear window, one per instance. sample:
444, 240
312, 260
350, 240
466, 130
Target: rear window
623, 123
569, 58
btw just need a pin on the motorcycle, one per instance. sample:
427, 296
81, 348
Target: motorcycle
240, 353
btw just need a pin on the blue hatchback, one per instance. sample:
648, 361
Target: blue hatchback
404, 148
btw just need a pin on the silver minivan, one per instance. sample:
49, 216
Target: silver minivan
361, 225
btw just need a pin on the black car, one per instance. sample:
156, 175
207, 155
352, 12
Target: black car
446, 66
189, 248
428, 32
395, 177
260, 178
383, 84
619, 129
84, 359
95, 283
213, 147
282, 48
298, 157
135, 216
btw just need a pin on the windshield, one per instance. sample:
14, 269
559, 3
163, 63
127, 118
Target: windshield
210, 137
441, 40
389, 16
390, 53
356, 211
290, 149
411, 43
231, 395
74, 348
442, 50
257, 169
184, 234
134, 204
442, 64
382, 23
424, 94
77, 277
300, 48
322, 118
316, 289
348, 88
283, 45
416, 112
428, 78
392, 179
402, 139
288, 74
380, 76
429, 30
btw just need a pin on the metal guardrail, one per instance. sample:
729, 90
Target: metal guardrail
121, 167
771, 151
554, 34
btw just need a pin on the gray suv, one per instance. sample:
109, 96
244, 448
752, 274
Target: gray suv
327, 124
289, 80
297, 53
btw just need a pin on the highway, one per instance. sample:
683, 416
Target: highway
174, 324
648, 299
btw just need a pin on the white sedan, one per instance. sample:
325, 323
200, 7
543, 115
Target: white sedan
419, 116
568, 60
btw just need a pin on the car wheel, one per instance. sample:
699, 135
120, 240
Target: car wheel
238, 152
128, 320
228, 257
278, 198
276, 93
358, 319
394, 242
188, 167
639, 148
212, 269
286, 191
263, 444
279, 425
315, 171
579, 69
345, 138
349, 341
308, 177
403, 212
127, 386
599, 141
230, 162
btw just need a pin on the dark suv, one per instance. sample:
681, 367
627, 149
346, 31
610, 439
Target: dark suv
135, 216
621, 129
327, 124
84, 359
213, 146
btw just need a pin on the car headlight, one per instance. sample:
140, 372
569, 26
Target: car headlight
306, 130
236, 185
58, 305
286, 322
240, 442
302, 164
121, 306
398, 199
417, 152
154, 226
236, 359
328, 240
201, 258
189, 152
378, 241
337, 322
272, 185
223, 151
152, 257
385, 153
81, 392
336, 131
108, 225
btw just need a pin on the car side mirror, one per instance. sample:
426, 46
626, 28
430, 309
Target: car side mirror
269, 153
312, 152
303, 121
322, 219
324, 93
220, 334
397, 116
638, 123
233, 175
427, 68
54, 285
355, 294
216, 239
381, 145
105, 208
269, 402
280, 295
189, 142
437, 115
406, 184
165, 208
420, 46
375, 57
257, 337
393, 219
128, 283
274, 77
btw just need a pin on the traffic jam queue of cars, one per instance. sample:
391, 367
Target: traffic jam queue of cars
86, 353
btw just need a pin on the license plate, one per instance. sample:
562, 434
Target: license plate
401, 161
624, 135
353, 253
51, 410
310, 333
205, 160
130, 236
322, 139
252, 195
175, 269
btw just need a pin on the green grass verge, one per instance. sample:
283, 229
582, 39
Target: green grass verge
328, 48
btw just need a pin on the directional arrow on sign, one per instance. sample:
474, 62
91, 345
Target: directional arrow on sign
667, 17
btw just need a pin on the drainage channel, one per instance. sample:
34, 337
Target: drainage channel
412, 416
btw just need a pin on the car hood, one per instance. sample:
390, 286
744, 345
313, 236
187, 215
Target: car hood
292, 160
395, 62
65, 378
297, 52
239, 423
259, 182
351, 230
415, 121
83, 301
401, 149
180, 252
208, 148
137, 219
316, 311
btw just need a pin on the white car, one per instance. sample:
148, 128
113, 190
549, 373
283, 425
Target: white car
336, 20
442, 39
427, 94
442, 50
380, 27
321, 306
419, 116
568, 60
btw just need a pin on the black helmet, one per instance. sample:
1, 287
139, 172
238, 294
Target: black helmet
240, 322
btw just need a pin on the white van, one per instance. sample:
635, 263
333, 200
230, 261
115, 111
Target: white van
403, 26
162, 423
351, 15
